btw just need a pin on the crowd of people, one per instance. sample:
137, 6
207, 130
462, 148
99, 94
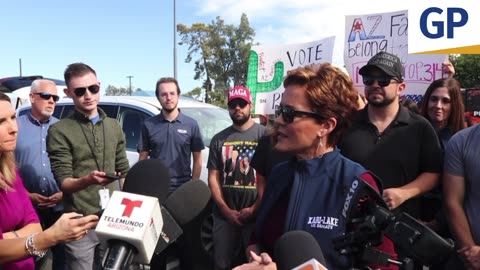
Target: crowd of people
265, 181
407, 155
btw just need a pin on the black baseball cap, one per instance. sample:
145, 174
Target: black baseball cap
387, 62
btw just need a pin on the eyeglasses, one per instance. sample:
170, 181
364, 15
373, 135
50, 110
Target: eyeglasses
47, 96
288, 113
80, 91
382, 80
237, 102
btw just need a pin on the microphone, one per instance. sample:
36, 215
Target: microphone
181, 207
149, 177
152, 178
130, 225
298, 250
188, 201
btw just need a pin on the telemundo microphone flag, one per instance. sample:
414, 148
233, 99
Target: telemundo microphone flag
444, 27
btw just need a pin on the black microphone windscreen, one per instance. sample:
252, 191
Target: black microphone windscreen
170, 231
296, 247
148, 177
188, 201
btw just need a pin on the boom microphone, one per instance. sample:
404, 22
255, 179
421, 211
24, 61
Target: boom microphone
298, 250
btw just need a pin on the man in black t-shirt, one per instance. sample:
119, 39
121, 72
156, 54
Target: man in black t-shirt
397, 145
232, 181
266, 157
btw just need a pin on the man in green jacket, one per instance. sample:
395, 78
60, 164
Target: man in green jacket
85, 150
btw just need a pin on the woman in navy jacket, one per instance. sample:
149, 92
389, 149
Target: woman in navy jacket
309, 192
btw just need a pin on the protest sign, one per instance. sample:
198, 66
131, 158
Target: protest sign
366, 35
268, 66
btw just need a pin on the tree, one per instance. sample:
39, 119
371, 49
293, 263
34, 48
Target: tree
220, 53
467, 69
120, 91
196, 93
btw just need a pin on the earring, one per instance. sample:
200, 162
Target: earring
320, 146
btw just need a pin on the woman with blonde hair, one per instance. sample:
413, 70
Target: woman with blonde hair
21, 235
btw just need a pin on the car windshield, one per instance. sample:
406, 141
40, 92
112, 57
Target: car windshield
210, 120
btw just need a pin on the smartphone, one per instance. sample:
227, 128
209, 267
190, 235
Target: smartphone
99, 213
112, 176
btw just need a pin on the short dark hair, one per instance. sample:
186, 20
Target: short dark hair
410, 104
77, 70
167, 80
4, 97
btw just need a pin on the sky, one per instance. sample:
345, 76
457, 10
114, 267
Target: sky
135, 37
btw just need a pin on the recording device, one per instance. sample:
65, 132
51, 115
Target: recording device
130, 226
151, 178
370, 218
298, 250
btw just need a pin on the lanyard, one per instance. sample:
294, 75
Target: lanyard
91, 147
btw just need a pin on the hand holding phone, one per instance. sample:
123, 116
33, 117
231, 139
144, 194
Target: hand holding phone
113, 176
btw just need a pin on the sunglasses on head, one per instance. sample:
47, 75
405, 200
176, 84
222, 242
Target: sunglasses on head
80, 91
237, 102
382, 80
288, 113
47, 96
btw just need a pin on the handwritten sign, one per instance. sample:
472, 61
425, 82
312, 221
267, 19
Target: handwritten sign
268, 66
366, 35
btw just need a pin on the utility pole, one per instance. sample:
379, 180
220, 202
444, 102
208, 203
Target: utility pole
130, 84
175, 39
20, 65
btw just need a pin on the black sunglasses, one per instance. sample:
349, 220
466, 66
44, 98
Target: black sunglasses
47, 96
237, 102
382, 80
80, 91
288, 113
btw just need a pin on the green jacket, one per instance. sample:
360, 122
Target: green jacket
76, 147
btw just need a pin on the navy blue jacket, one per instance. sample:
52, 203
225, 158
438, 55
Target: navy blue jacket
318, 189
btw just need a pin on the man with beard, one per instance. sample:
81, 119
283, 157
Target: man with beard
236, 202
34, 164
172, 136
397, 145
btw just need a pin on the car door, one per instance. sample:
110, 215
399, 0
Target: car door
131, 120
